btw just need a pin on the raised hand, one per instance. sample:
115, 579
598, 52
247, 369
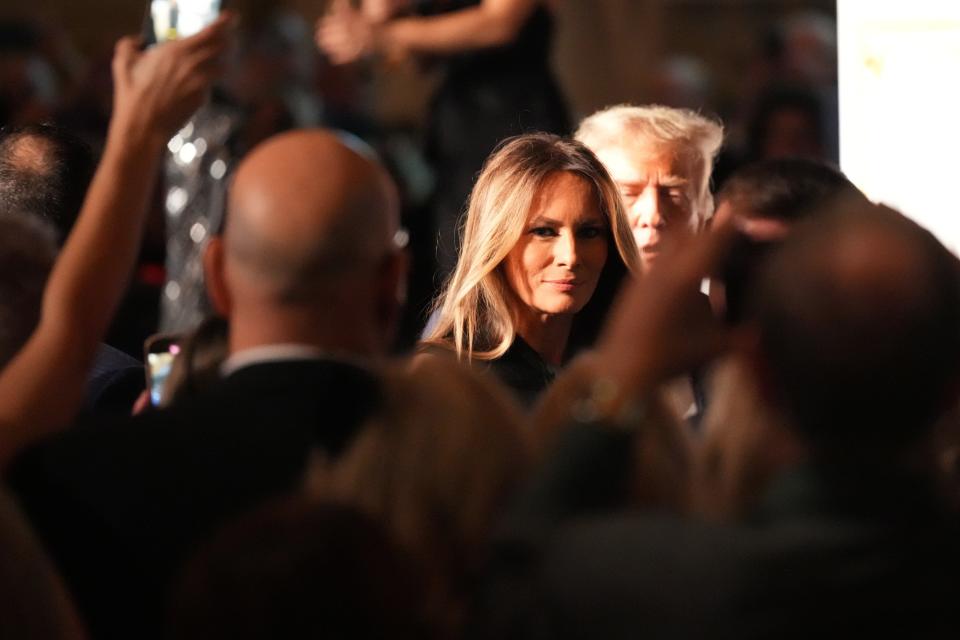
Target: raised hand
345, 34
157, 90
383, 10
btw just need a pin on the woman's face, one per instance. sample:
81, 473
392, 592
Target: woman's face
555, 266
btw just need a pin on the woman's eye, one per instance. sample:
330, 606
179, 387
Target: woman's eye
543, 232
589, 233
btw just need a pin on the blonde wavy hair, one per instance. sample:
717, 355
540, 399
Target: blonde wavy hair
695, 139
477, 311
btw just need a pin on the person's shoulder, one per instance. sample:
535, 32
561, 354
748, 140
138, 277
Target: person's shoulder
292, 377
427, 350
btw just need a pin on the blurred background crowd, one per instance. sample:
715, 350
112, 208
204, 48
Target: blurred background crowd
766, 69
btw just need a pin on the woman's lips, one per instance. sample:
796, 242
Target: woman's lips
650, 252
563, 285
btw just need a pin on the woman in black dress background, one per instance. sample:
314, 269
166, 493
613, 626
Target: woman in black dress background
497, 81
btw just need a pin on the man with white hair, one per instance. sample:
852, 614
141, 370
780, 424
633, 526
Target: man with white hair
661, 159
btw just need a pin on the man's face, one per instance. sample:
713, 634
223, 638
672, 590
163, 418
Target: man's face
657, 188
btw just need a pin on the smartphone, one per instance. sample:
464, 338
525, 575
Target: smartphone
160, 351
173, 19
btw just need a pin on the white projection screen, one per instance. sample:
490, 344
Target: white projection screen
899, 95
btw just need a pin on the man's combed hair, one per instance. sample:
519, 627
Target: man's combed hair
695, 137
477, 310
786, 189
44, 171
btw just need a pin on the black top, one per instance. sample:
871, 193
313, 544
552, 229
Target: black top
121, 507
520, 369
529, 50
523, 371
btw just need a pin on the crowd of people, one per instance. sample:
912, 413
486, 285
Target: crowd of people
640, 407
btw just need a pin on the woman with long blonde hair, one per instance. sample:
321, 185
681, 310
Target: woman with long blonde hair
545, 246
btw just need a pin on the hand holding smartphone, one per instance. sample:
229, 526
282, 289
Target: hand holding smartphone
160, 350
175, 19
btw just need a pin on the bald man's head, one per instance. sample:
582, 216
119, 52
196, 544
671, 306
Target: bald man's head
306, 215
859, 316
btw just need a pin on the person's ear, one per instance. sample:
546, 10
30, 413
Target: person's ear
215, 277
392, 294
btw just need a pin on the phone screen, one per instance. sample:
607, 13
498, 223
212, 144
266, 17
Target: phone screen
158, 365
174, 19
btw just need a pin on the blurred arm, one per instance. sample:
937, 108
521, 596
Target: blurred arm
489, 24
155, 92
346, 35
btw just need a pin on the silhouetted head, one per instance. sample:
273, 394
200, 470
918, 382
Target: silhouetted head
44, 171
27, 254
784, 189
300, 569
859, 322
768, 197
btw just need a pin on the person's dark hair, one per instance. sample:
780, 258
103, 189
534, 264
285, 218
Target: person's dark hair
859, 320
44, 171
784, 189
27, 254
299, 569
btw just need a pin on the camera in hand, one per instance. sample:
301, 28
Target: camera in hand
175, 19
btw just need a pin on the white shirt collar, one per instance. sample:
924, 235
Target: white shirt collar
270, 353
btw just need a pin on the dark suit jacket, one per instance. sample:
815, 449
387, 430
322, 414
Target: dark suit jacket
122, 506
860, 552
114, 383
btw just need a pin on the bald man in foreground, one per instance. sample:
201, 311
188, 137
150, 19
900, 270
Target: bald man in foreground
310, 279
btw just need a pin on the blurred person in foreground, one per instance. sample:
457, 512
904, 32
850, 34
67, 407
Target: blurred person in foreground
45, 171
857, 330
155, 92
44, 376
298, 568
745, 441
436, 464
33, 601
310, 281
